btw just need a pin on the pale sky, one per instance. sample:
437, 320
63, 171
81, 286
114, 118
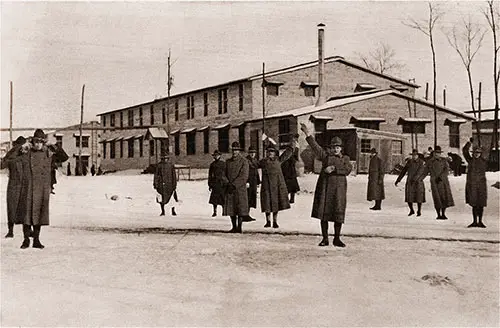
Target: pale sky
119, 49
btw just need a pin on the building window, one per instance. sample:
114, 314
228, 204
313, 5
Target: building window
130, 146
223, 101
241, 97
121, 119
272, 89
177, 147
414, 128
104, 150
284, 132
206, 141
241, 136
454, 135
112, 147
205, 104
152, 115
176, 108
309, 91
112, 120
85, 142
191, 143
59, 142
141, 147
223, 142
163, 115
151, 147
121, 148
131, 117
141, 122
190, 107
397, 147
103, 121
366, 146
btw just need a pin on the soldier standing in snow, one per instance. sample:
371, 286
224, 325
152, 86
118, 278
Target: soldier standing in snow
330, 195
40, 156
375, 181
414, 187
165, 182
438, 168
288, 167
236, 197
253, 181
476, 194
273, 192
17, 161
216, 175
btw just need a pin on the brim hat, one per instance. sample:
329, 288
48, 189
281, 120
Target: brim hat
236, 146
477, 149
438, 149
272, 148
251, 150
336, 141
216, 153
19, 141
373, 151
414, 152
39, 135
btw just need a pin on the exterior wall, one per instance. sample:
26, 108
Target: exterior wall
340, 79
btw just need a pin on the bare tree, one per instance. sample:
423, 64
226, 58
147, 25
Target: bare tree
492, 14
427, 27
467, 39
382, 59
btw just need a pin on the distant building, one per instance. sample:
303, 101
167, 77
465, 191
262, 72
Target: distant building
487, 126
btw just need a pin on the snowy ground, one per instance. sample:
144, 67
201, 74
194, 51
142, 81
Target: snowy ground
117, 263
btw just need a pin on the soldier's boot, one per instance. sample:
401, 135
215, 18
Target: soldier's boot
268, 220
173, 211
10, 233
234, 224
240, 224
336, 239
26, 232
480, 224
162, 209
275, 220
36, 237
474, 216
324, 233
419, 209
215, 211
443, 215
292, 198
410, 205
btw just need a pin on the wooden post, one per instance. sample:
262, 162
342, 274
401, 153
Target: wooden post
263, 105
444, 97
10, 123
80, 168
478, 123
169, 85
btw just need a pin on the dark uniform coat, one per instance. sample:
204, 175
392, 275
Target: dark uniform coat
476, 194
440, 186
216, 177
375, 180
236, 198
165, 180
414, 187
253, 181
331, 189
17, 187
40, 162
273, 192
289, 170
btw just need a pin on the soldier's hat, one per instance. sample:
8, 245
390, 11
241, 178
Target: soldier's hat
235, 146
272, 148
19, 141
39, 135
414, 152
477, 149
438, 150
336, 141
373, 151
251, 150
216, 153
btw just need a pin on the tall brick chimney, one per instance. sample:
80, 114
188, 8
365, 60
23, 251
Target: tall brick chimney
321, 64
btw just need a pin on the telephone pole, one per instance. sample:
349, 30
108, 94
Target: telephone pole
169, 86
10, 123
263, 105
80, 143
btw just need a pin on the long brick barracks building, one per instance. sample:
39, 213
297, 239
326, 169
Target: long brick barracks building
365, 108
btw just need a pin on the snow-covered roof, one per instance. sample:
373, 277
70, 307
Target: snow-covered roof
222, 126
157, 133
402, 120
449, 121
366, 119
203, 128
188, 130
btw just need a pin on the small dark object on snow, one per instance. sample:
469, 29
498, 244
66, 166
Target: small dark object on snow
114, 197
496, 185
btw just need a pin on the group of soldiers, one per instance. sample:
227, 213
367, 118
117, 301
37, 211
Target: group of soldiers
30, 163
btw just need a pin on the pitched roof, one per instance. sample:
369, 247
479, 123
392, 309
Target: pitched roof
274, 73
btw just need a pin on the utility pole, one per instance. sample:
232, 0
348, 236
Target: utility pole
169, 86
10, 123
81, 126
478, 123
263, 104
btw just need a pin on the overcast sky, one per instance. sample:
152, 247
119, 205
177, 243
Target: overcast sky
119, 50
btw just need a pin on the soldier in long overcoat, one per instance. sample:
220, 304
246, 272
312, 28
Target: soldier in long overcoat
17, 162
216, 176
273, 192
330, 194
253, 181
236, 197
165, 182
375, 190
40, 156
438, 168
291, 154
414, 187
476, 194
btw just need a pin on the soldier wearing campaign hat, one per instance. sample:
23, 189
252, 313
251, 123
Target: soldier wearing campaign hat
414, 187
253, 181
476, 193
216, 176
375, 190
165, 182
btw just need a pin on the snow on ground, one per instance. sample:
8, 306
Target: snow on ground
118, 263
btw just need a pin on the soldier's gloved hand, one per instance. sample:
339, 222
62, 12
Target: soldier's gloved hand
329, 169
26, 146
209, 189
248, 185
396, 183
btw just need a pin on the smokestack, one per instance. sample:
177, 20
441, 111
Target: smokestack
321, 64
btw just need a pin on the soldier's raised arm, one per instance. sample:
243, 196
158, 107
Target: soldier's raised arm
316, 148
